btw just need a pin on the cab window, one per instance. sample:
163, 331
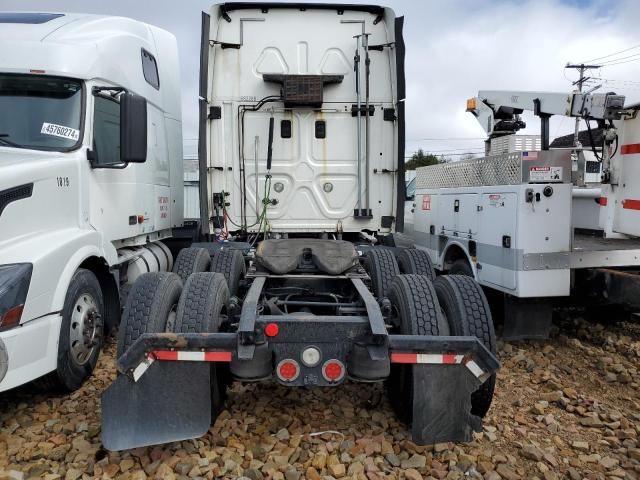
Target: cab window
106, 131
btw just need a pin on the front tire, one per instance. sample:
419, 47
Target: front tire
81, 334
467, 311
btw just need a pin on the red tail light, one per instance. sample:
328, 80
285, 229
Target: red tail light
333, 370
288, 370
271, 329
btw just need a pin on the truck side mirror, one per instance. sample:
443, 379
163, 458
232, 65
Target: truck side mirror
133, 128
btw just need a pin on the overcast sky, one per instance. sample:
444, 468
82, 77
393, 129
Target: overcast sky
454, 49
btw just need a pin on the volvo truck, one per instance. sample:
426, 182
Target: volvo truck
90, 183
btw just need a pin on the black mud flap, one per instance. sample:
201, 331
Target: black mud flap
442, 404
170, 402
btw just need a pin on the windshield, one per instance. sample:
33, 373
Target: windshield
411, 188
40, 112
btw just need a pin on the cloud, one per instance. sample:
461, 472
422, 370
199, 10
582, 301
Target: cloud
454, 49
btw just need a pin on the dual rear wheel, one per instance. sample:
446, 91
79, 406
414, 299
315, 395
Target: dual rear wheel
190, 299
424, 304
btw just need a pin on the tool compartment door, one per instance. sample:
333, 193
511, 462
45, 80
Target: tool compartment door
458, 214
497, 263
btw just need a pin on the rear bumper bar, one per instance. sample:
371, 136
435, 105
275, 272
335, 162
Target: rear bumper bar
222, 347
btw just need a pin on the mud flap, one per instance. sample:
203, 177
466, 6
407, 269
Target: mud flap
170, 402
442, 404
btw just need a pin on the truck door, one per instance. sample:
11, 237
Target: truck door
497, 222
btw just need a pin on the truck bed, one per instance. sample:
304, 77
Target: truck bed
591, 251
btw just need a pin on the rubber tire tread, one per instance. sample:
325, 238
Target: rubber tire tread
149, 303
468, 313
416, 303
412, 260
230, 263
203, 297
191, 260
382, 267
68, 377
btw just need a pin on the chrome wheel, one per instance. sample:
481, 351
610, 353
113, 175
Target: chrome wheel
85, 329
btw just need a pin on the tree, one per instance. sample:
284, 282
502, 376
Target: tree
421, 159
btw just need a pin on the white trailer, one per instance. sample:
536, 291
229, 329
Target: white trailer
523, 225
90, 183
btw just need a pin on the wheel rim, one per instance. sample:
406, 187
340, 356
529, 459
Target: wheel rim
85, 329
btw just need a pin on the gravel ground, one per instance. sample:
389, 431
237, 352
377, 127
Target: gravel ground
565, 408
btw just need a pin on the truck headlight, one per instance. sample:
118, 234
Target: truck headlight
14, 285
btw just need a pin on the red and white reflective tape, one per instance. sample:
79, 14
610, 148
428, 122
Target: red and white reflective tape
180, 356
431, 358
191, 356
438, 359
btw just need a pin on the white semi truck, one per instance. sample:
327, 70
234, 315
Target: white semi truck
529, 225
301, 173
90, 183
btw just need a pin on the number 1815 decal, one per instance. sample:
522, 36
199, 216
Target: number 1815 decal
63, 181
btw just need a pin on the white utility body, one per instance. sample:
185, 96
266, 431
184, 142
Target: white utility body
90, 182
526, 223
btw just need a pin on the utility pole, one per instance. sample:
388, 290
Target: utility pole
581, 68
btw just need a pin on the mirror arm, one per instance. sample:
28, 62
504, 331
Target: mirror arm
91, 156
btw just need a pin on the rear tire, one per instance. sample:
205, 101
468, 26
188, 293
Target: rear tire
191, 260
202, 309
465, 306
382, 268
461, 267
416, 304
414, 261
230, 263
151, 303
81, 334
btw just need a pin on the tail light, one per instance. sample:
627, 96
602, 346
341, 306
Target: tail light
288, 370
333, 371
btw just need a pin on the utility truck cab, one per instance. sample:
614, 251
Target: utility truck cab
90, 183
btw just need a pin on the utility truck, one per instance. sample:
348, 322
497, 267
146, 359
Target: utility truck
90, 183
533, 226
301, 176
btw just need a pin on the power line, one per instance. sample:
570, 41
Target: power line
615, 60
619, 63
612, 54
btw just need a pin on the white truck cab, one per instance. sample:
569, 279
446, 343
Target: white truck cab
90, 183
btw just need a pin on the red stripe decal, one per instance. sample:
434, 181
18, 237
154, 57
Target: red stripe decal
448, 358
630, 149
165, 355
603, 201
217, 356
631, 204
404, 358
